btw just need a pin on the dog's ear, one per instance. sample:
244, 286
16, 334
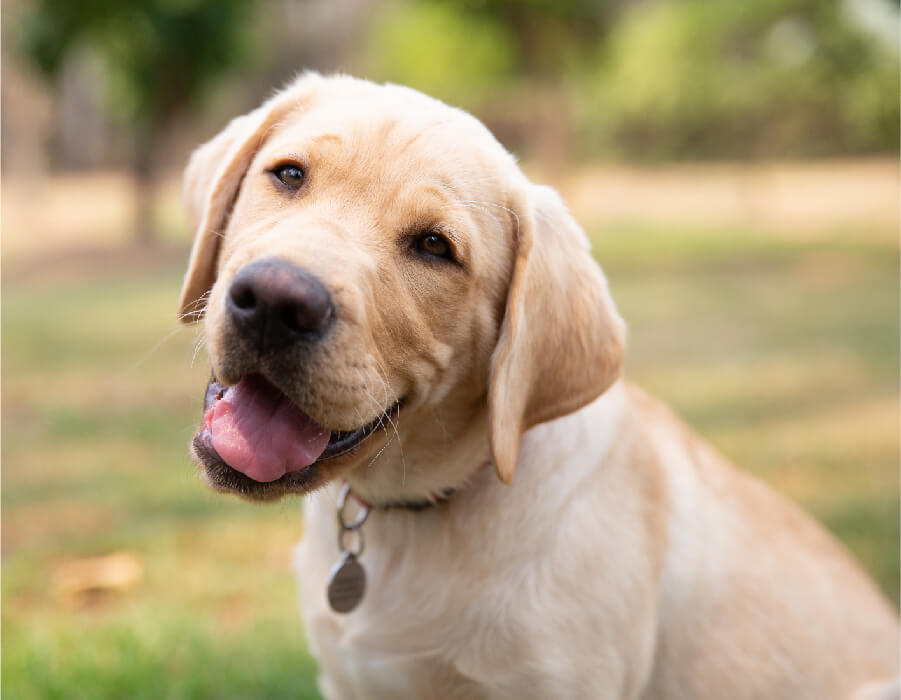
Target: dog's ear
211, 184
562, 340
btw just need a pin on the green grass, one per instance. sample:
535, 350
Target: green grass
783, 354
97, 415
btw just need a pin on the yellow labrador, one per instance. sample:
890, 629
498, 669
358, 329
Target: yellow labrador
392, 310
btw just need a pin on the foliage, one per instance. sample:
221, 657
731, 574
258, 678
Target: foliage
676, 79
711, 79
159, 54
440, 50
549, 35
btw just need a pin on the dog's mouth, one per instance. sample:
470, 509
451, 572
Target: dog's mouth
253, 429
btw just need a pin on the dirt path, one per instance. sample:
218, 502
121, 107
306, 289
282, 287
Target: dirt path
793, 199
51, 216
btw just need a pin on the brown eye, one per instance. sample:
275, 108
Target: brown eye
433, 244
290, 175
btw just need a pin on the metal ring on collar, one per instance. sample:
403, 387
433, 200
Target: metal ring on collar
354, 546
342, 506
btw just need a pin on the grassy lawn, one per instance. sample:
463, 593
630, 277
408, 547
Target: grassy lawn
96, 421
783, 353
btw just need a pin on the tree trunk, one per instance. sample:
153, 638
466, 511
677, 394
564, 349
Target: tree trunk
145, 184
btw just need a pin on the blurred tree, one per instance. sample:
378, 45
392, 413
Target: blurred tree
701, 79
159, 57
488, 55
435, 48
549, 33
655, 79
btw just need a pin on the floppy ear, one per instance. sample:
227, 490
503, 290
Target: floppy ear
211, 184
562, 340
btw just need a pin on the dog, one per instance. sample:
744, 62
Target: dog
404, 327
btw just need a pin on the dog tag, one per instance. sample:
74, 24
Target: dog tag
346, 584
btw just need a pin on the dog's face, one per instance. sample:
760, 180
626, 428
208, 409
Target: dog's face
381, 286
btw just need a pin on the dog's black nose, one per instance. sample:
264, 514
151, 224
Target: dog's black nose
277, 304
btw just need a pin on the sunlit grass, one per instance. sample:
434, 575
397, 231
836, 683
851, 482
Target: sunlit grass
783, 354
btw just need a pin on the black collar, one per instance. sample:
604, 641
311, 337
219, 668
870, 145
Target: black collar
416, 506
435, 499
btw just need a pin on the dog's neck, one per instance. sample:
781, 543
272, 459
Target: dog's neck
432, 500
429, 478
430, 456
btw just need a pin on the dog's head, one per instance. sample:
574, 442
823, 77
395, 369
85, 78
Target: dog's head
386, 298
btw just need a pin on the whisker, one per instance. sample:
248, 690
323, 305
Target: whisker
146, 356
383, 375
375, 404
199, 343
197, 308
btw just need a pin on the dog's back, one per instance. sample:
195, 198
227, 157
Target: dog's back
755, 596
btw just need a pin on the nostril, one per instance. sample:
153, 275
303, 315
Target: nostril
304, 316
242, 296
288, 316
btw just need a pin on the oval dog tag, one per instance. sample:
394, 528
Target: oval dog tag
346, 584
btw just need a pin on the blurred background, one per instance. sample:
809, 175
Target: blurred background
735, 164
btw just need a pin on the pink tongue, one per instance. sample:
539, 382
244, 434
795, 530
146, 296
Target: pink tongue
261, 434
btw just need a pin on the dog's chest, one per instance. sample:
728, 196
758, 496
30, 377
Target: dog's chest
443, 617
351, 667
398, 643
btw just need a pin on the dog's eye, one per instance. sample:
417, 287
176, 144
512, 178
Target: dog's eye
433, 244
290, 175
